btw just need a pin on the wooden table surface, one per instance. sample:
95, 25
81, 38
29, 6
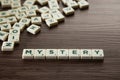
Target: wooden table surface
97, 27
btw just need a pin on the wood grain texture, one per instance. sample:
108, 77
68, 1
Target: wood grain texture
98, 27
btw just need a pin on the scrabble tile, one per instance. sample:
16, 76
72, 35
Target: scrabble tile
74, 54
86, 54
51, 53
42, 2
5, 3
31, 13
51, 22
12, 12
45, 16
83, 4
36, 20
21, 15
43, 10
14, 38
11, 19
54, 11
97, 54
28, 54
15, 5
23, 9
14, 31
25, 21
66, 1
39, 53
6, 27
29, 2
53, 4
3, 35
63, 53
58, 16
34, 7
3, 20
19, 26
68, 11
7, 46
73, 4
4, 14
33, 29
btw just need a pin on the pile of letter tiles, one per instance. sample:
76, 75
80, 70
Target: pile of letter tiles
30, 14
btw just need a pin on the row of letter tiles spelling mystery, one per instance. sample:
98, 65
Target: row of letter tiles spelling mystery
84, 54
